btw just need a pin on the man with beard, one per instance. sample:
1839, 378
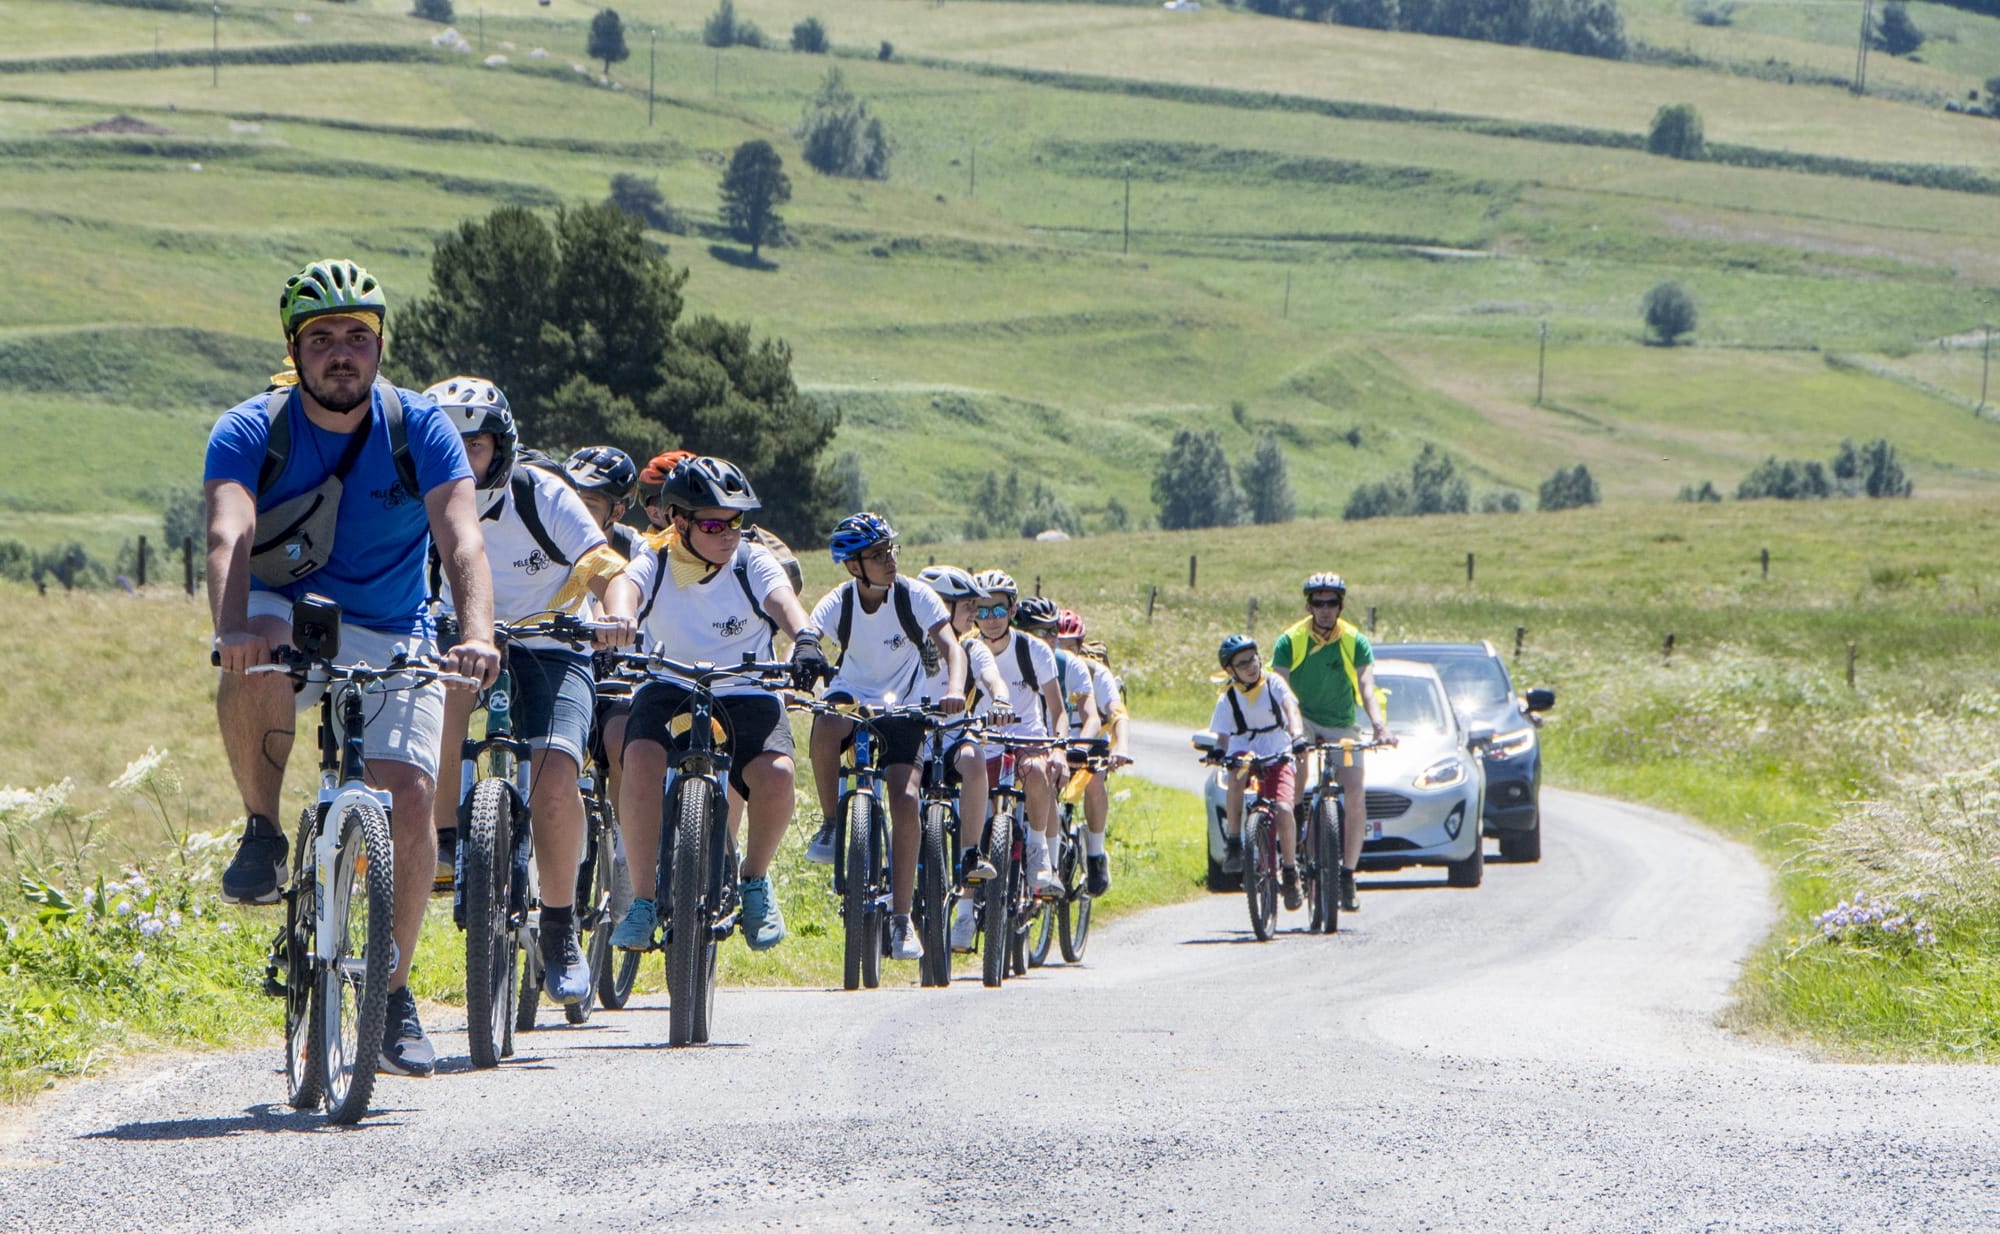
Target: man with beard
334, 482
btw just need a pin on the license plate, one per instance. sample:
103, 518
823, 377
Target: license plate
1373, 829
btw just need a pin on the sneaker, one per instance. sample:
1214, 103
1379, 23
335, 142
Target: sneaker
1098, 880
565, 973
1047, 885
1232, 849
405, 1049
636, 932
1349, 902
259, 868
821, 848
763, 921
903, 941
447, 867
964, 927
1288, 886
974, 867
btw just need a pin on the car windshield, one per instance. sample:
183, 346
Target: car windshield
1473, 681
1414, 705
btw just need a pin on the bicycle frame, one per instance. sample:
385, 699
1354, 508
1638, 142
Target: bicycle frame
343, 768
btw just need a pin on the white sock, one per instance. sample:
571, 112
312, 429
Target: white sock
1037, 850
1093, 843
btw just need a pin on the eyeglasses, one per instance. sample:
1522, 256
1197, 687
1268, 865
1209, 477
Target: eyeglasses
1336, 602
716, 526
985, 611
881, 553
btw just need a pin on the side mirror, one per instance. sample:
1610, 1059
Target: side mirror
1206, 742
316, 626
1541, 700
1479, 736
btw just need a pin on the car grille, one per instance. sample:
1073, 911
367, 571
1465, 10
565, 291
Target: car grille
1387, 805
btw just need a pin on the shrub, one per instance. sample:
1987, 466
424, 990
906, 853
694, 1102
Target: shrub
1266, 483
837, 136
1194, 486
810, 36
1116, 517
1894, 31
1570, 488
1669, 312
438, 11
1579, 27
886, 52
1368, 14
750, 34
1500, 503
1046, 510
1676, 132
1712, 12
720, 28
1786, 480
1434, 487
1706, 493
642, 199
1992, 88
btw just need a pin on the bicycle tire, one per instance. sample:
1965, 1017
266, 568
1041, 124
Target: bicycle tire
857, 917
529, 999
620, 970
931, 912
723, 865
1041, 933
995, 905
1073, 911
352, 999
1260, 875
878, 905
303, 1090
1326, 853
591, 930
484, 843
690, 945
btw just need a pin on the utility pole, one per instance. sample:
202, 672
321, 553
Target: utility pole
1287, 314
1985, 364
716, 89
1128, 207
972, 175
1542, 364
652, 61
215, 54
1861, 54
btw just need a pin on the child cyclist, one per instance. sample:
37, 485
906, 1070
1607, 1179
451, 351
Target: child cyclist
1259, 716
1111, 712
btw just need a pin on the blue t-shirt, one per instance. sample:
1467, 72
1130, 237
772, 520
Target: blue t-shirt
376, 572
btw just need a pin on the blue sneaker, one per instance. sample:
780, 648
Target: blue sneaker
763, 924
565, 973
637, 931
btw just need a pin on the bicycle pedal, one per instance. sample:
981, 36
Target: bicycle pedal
272, 986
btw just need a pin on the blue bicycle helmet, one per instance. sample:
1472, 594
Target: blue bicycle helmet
858, 533
1233, 646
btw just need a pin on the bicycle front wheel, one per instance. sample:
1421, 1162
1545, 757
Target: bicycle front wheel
931, 909
1073, 911
352, 999
690, 944
1260, 875
1325, 854
996, 901
490, 946
857, 916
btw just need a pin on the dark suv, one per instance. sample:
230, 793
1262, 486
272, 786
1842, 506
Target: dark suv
1477, 680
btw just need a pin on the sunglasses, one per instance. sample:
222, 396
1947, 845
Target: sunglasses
1336, 603
985, 611
716, 526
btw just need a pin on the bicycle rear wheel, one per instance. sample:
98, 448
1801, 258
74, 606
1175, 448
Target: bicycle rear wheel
996, 902
352, 999
1260, 874
619, 969
931, 908
690, 945
1326, 850
490, 946
302, 1078
1073, 911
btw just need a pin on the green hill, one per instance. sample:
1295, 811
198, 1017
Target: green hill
1338, 229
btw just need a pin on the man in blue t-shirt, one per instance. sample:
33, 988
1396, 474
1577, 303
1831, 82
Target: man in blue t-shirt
335, 422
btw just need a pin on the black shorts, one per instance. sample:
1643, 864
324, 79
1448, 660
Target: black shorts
609, 708
902, 738
754, 724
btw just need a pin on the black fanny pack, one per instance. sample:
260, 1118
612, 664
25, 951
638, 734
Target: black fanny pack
295, 537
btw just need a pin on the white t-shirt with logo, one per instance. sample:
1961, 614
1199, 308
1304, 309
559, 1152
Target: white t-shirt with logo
1076, 684
1025, 702
1263, 709
713, 620
880, 660
525, 578
1105, 683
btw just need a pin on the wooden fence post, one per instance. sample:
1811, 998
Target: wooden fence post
142, 561
1250, 618
1190, 571
1765, 555
1468, 567
1371, 619
1520, 635
1152, 595
1850, 663
1667, 650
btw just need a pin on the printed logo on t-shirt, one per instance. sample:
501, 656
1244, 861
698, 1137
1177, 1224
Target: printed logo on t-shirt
534, 563
896, 643
730, 628
390, 497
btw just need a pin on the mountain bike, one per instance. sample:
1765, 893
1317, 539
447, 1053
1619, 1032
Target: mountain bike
603, 894
332, 959
495, 898
1259, 831
1021, 920
938, 855
1072, 912
1322, 818
697, 879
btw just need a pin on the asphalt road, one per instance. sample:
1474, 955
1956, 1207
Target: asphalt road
1538, 1054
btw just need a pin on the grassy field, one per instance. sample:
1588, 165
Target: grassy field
1295, 263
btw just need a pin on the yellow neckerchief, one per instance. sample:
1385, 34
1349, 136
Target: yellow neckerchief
600, 562
1306, 640
686, 568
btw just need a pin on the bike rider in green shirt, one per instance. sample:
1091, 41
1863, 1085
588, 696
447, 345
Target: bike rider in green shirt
1330, 666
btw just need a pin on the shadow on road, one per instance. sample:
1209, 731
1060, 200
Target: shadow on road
264, 1118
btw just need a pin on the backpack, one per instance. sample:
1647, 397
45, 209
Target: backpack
1243, 728
905, 614
278, 443
295, 538
523, 488
787, 559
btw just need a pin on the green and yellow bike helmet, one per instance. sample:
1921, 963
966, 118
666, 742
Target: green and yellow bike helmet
327, 286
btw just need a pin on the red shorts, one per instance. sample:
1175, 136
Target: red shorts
1275, 782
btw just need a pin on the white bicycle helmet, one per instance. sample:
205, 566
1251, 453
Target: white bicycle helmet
475, 405
950, 583
995, 583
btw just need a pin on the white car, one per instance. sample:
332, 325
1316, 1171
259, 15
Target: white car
1425, 795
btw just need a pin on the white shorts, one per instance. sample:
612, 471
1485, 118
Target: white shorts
1351, 732
401, 726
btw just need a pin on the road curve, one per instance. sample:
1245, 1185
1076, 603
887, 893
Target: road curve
1537, 1054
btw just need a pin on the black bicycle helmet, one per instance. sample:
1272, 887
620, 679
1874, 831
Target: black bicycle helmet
707, 483
1036, 613
604, 469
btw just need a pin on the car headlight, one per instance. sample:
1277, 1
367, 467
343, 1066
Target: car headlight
1508, 745
1442, 774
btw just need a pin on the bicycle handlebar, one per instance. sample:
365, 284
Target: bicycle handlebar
299, 666
562, 627
760, 672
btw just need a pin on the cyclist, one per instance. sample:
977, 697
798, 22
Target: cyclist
535, 523
384, 473
651, 477
1259, 716
608, 482
1111, 709
967, 761
881, 621
1330, 666
1027, 667
707, 595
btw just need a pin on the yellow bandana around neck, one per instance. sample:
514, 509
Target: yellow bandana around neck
686, 568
